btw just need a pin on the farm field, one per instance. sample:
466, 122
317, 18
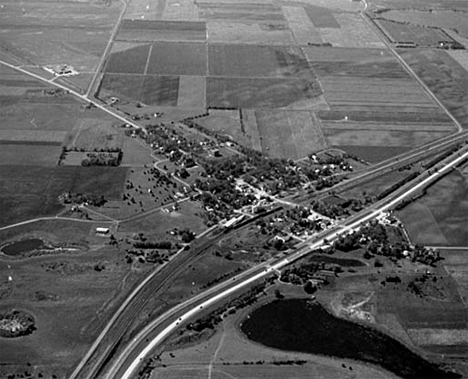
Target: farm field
291, 134
257, 61
436, 217
39, 39
365, 88
258, 93
29, 154
357, 79
260, 33
147, 31
456, 264
445, 77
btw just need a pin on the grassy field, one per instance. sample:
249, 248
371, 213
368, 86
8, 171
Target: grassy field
93, 133
57, 288
158, 224
32, 191
290, 134
192, 90
228, 353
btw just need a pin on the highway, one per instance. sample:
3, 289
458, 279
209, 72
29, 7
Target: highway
216, 294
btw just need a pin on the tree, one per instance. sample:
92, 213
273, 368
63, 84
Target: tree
278, 294
310, 287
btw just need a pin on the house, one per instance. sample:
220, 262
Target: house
100, 230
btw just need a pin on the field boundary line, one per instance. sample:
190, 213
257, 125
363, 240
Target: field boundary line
148, 58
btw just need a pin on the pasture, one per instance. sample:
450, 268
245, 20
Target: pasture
94, 134
158, 224
57, 288
403, 32
448, 19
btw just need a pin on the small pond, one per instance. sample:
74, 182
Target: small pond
300, 325
21, 247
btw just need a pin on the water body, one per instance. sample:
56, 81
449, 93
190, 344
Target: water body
21, 247
299, 325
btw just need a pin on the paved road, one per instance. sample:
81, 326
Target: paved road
53, 218
107, 49
304, 248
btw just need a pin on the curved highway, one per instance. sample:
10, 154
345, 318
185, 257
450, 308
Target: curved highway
123, 369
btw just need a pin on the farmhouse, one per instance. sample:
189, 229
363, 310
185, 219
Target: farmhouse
100, 230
